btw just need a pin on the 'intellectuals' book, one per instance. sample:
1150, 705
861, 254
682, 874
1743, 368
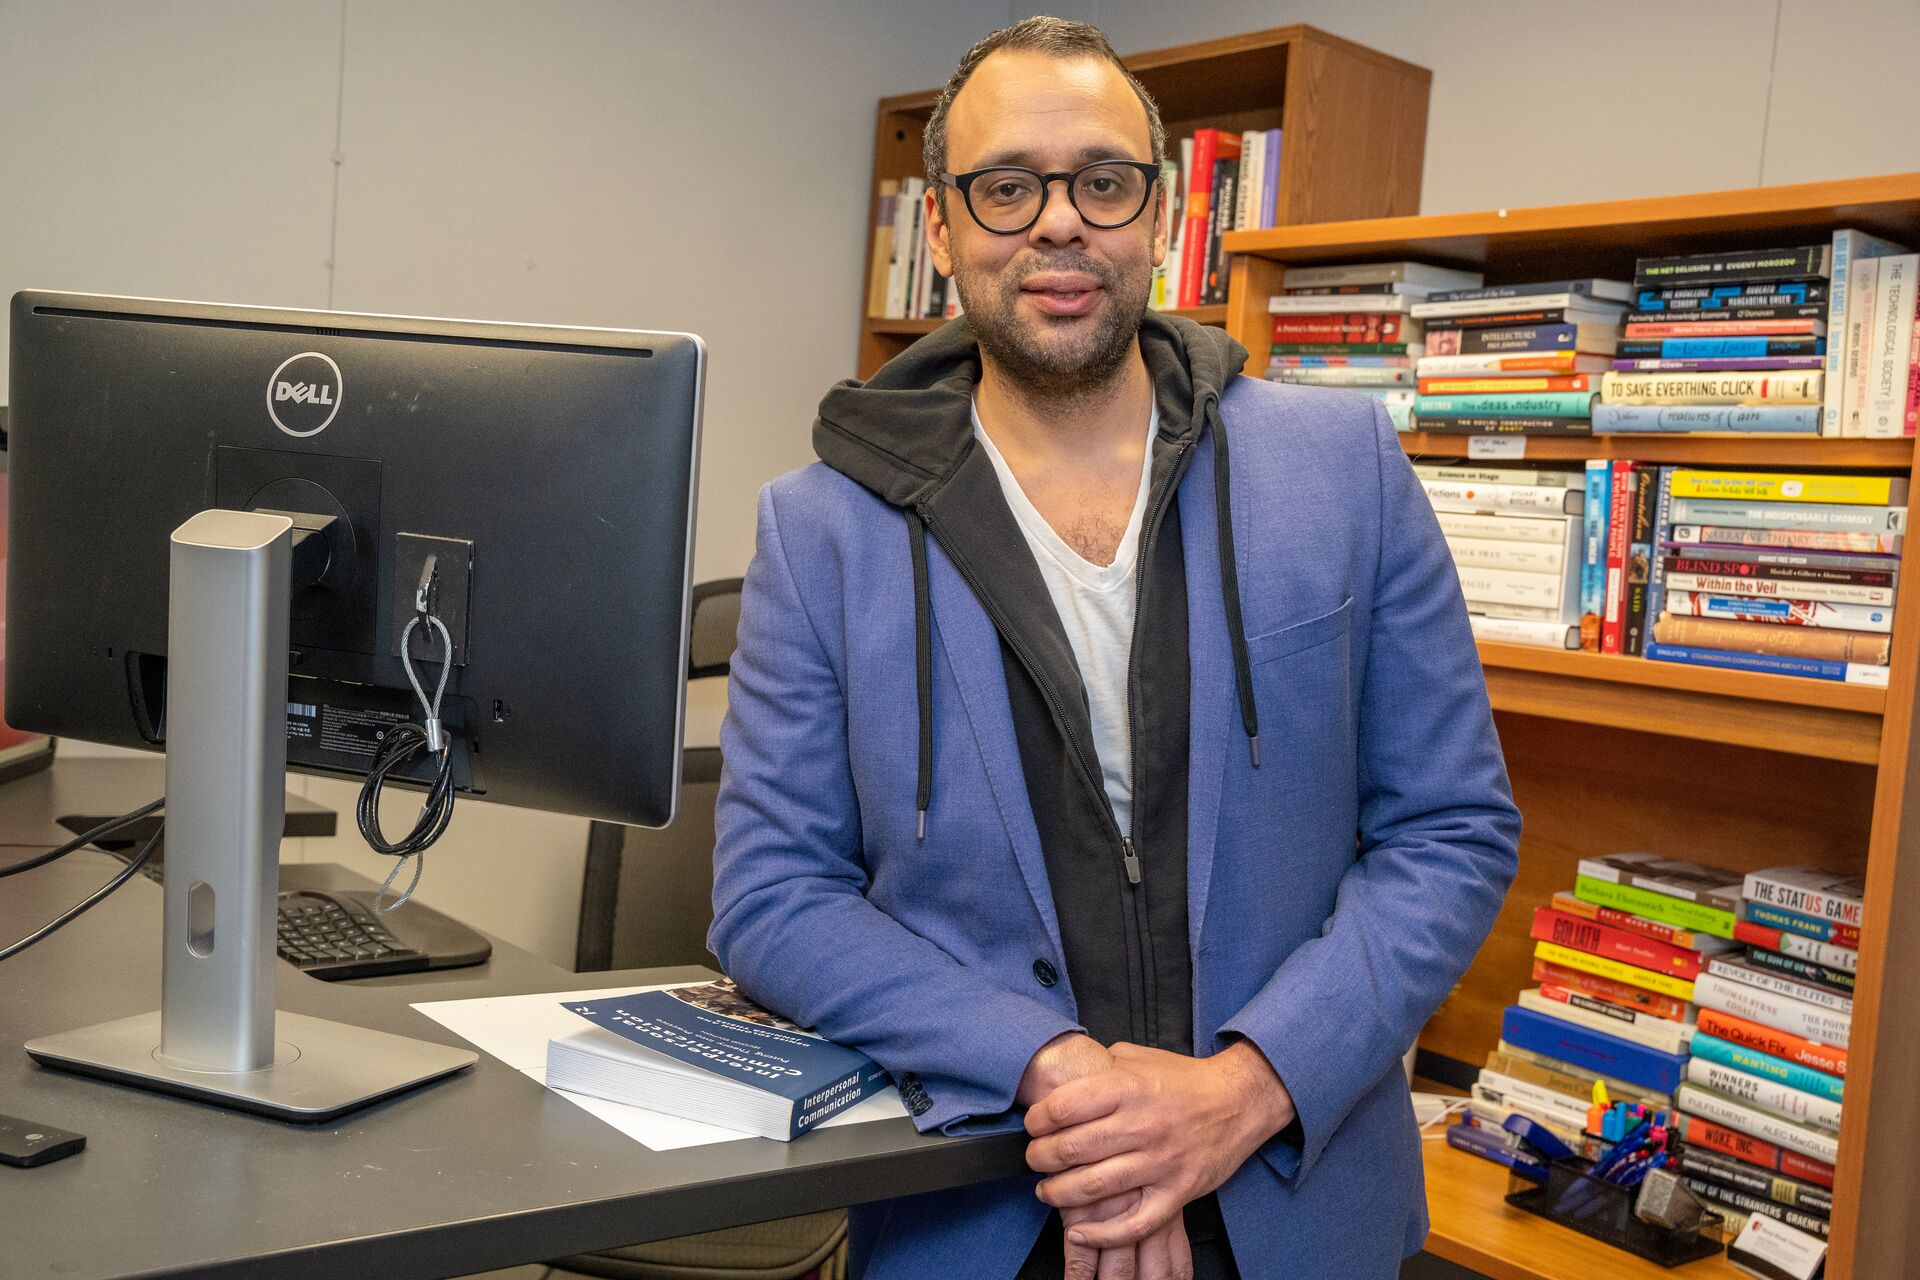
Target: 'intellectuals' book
708, 1053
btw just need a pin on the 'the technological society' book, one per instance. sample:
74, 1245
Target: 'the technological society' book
708, 1053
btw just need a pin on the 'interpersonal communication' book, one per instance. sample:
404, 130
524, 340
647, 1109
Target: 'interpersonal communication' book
708, 1053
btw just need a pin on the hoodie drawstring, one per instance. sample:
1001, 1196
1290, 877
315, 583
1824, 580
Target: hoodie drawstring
1230, 582
922, 667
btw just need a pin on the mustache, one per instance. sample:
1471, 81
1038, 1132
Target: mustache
1080, 262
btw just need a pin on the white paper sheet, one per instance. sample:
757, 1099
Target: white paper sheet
515, 1029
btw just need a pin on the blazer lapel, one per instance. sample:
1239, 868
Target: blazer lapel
965, 637
1212, 710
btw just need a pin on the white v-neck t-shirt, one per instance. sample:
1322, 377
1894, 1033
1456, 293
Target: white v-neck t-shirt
1095, 604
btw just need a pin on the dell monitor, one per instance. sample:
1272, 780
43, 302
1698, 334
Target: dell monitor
223, 519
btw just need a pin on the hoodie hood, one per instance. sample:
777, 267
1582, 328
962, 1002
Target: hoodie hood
905, 433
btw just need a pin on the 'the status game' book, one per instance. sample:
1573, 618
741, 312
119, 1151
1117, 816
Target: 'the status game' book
708, 1053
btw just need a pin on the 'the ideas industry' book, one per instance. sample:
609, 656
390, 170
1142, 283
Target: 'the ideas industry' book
708, 1053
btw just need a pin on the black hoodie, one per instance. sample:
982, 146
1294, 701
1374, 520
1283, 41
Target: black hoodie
1121, 897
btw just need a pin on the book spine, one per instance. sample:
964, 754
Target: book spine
1704, 327
1656, 600
1863, 282
1729, 584
1592, 1050
1892, 333
1769, 515
1737, 266
1704, 1132
1766, 1095
1786, 566
1591, 338
1561, 404
1539, 635
1792, 387
1819, 975
1320, 304
1551, 311
1725, 348
1251, 152
1501, 528
1593, 570
1684, 912
1709, 1047
1619, 530
1618, 971
1548, 974
1608, 418
1812, 950
1745, 1177
1501, 1087
1344, 360
1738, 1115
1797, 1017
1339, 326
1796, 613
880, 260
1767, 638
1502, 424
1798, 1219
1770, 664
1608, 1019
1360, 377
1814, 927
1275, 144
830, 1101
1774, 1042
1520, 557
1634, 621
1788, 539
1782, 891
1684, 939
1509, 385
1225, 179
1574, 1081
1616, 944
1758, 306
1500, 586
1715, 364
1505, 497
1345, 348
1199, 185
1780, 984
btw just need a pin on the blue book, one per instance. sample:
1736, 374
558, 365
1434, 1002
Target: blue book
1657, 570
1771, 664
1765, 1065
1593, 566
1593, 1051
708, 1053
1720, 348
1790, 921
1590, 286
1706, 417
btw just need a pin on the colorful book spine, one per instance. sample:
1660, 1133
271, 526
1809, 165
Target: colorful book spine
1774, 1096
1711, 388
1593, 572
1503, 424
1772, 639
1619, 532
1809, 891
1590, 338
1641, 561
1620, 993
1616, 944
1797, 1017
1685, 939
1628, 418
1801, 970
1736, 266
1728, 582
1602, 966
1705, 328
1742, 1201
1715, 364
1555, 404
1593, 1050
1806, 926
1773, 1042
1746, 1118
1517, 385
1711, 1048
1760, 1182
1767, 664
1725, 348
1764, 979
1700, 1131
1348, 326
1812, 950
1657, 588
1583, 1010
1778, 612
1795, 487
1686, 913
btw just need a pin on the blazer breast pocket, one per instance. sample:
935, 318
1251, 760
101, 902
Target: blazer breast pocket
1300, 636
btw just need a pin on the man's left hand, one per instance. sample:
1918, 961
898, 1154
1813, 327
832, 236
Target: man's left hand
1174, 1127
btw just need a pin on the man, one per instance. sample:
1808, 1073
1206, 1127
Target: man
1072, 769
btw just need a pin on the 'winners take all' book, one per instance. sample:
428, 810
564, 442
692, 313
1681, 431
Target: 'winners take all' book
708, 1053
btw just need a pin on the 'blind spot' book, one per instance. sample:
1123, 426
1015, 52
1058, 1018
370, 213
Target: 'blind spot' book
708, 1053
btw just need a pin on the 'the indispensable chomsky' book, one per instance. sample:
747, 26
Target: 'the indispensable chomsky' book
708, 1053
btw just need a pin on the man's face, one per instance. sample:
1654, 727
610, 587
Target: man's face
1057, 306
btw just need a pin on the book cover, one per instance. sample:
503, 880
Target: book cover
1769, 349
1864, 673
1743, 1117
1548, 974
1735, 1198
668, 1050
1810, 891
1706, 1046
1584, 1010
1791, 387
1593, 1050
1617, 944
1737, 969
1773, 1042
1756, 1181
1665, 907
1766, 1095
1616, 970
1672, 877
1818, 975
1700, 1131
1801, 262
1797, 1017
1692, 940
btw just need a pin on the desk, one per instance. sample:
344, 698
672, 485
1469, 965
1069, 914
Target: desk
484, 1170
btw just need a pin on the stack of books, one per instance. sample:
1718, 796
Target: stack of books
1792, 574
1522, 359
1350, 326
1222, 182
1760, 1110
902, 283
1723, 342
1516, 538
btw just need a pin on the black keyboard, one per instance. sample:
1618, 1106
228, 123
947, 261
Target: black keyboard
338, 937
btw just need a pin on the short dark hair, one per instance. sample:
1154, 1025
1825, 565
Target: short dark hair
1057, 37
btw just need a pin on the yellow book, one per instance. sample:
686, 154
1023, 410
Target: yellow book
1605, 967
1871, 491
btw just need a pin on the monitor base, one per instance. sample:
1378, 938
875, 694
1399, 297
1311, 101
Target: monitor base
320, 1069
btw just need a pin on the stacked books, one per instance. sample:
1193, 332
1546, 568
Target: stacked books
1792, 574
1522, 359
1723, 342
1516, 538
1761, 1104
902, 283
1351, 326
1223, 182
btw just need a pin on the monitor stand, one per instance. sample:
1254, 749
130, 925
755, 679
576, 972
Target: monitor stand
216, 1036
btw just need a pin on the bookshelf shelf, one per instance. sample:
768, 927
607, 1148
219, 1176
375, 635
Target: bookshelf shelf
1699, 450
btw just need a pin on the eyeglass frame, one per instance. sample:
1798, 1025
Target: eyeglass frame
963, 182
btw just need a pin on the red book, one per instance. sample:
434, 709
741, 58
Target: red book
1358, 326
1626, 996
1742, 1146
1781, 1044
1615, 944
1718, 328
1756, 934
1208, 145
1613, 612
1673, 935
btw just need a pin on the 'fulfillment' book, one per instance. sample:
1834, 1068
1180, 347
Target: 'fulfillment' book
708, 1053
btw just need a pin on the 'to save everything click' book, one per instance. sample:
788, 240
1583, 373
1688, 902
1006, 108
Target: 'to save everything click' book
708, 1053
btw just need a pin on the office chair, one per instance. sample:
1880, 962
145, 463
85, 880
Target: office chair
646, 901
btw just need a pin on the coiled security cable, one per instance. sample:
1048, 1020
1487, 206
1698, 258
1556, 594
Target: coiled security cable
401, 744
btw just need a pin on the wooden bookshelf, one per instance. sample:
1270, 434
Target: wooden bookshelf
1734, 768
1355, 123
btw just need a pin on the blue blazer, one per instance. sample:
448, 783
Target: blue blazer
1335, 893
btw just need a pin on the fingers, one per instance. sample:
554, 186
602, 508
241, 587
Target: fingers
1154, 1258
1083, 1262
1094, 1183
1155, 1207
1081, 1145
1179, 1251
1078, 1101
1119, 1264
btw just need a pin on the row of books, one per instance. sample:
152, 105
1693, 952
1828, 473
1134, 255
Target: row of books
902, 283
1809, 340
1780, 572
1721, 1002
1222, 182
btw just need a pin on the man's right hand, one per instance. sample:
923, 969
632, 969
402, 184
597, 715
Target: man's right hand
1065, 1057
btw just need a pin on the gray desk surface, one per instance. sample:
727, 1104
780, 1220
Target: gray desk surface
483, 1170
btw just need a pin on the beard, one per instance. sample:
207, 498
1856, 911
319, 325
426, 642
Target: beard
1048, 360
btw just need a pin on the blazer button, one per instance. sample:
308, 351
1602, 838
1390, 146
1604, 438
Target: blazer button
1044, 973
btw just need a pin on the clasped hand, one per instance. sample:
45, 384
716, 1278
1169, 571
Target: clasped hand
1130, 1141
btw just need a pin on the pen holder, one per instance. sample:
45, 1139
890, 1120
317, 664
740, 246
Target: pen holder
1593, 1206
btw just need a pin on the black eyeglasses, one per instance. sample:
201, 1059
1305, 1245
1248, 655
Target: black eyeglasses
1007, 199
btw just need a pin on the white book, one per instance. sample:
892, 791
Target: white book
1539, 364
1890, 337
1538, 635
1863, 283
1656, 1033
1503, 527
1505, 586
1783, 1100
1599, 310
1420, 273
1720, 584
1746, 1118
1555, 614
1849, 246
1780, 984
1811, 891
1798, 613
1782, 1013
896, 308
1315, 304
1455, 495
1342, 376
1248, 180
1532, 1095
1524, 557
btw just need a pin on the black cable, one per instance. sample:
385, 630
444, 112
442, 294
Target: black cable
80, 841
401, 744
126, 873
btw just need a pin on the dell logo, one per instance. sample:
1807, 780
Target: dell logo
304, 393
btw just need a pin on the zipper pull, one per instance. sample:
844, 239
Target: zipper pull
1130, 859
